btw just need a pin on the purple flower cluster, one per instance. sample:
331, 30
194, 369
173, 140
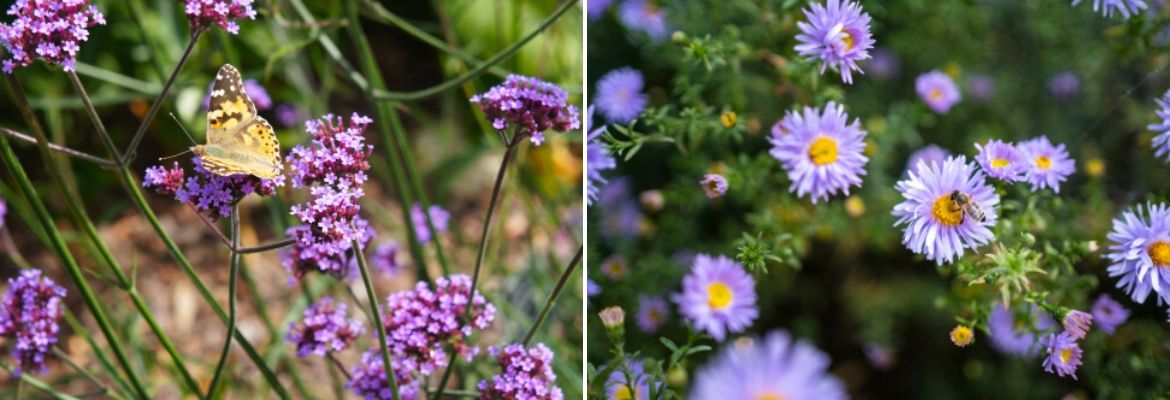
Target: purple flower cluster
368, 379
50, 29
204, 13
207, 192
837, 33
385, 258
28, 315
527, 374
529, 106
324, 329
333, 166
439, 217
420, 322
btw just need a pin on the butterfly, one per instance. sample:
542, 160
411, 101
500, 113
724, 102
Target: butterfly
238, 140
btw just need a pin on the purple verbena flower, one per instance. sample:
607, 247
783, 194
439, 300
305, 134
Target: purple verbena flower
164, 181
714, 186
598, 158
324, 329
938, 90
385, 258
774, 367
1064, 354
1140, 253
821, 151
1064, 86
29, 316
652, 313
287, 115
1124, 7
209, 193
935, 225
50, 29
837, 33
1003, 161
1108, 314
204, 13
718, 296
524, 374
368, 378
440, 217
1016, 335
645, 16
529, 106
420, 323
619, 95
1047, 165
258, 94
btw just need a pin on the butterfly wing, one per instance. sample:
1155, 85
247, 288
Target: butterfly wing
238, 140
230, 105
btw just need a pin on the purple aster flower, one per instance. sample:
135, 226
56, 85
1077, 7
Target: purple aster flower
209, 193
421, 323
615, 267
29, 314
1064, 86
287, 115
440, 217
385, 258
204, 13
597, 7
879, 356
620, 213
981, 87
1003, 161
1047, 165
619, 95
938, 90
629, 381
775, 367
821, 151
333, 166
935, 225
50, 29
643, 15
324, 329
837, 33
714, 186
1108, 314
529, 106
931, 154
368, 378
1162, 141
1016, 335
524, 374
1064, 354
598, 158
1140, 253
1077, 323
1124, 7
652, 313
884, 65
718, 296
164, 181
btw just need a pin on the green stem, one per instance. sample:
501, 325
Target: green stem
404, 150
103, 389
61, 149
98, 353
377, 317
381, 12
92, 112
552, 299
231, 324
36, 383
162, 97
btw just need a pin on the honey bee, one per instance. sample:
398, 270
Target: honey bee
968, 205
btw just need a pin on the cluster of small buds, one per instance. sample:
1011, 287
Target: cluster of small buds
205, 13
324, 329
309, 254
529, 106
420, 322
525, 374
207, 192
29, 316
50, 29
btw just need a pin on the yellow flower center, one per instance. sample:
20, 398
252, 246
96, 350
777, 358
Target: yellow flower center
1160, 253
769, 396
999, 163
935, 94
623, 392
1065, 355
847, 40
823, 151
1044, 162
718, 295
946, 212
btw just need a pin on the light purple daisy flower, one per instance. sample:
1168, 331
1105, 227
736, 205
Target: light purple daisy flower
652, 313
615, 267
1124, 7
1077, 323
643, 15
774, 367
931, 154
1140, 255
620, 213
1108, 314
1047, 165
714, 186
1064, 86
598, 157
619, 95
1015, 336
629, 383
821, 150
1162, 141
837, 33
981, 87
1064, 354
938, 90
935, 225
718, 296
884, 65
1000, 160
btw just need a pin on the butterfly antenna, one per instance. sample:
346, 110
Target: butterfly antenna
173, 156
189, 137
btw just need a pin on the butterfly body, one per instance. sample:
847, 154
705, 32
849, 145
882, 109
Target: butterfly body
238, 140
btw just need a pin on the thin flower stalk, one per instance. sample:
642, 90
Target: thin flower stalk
552, 299
232, 283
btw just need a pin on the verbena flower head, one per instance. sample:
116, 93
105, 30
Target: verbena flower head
324, 329
645, 16
1064, 354
29, 316
1162, 141
1017, 335
774, 367
529, 106
981, 87
52, 30
1124, 7
936, 226
884, 65
385, 258
333, 166
821, 151
619, 95
368, 378
938, 90
1108, 314
714, 186
1077, 323
524, 374
439, 217
1003, 161
1047, 165
837, 34
1064, 86
1140, 253
636, 386
718, 296
205, 13
421, 323
652, 313
931, 154
209, 193
598, 158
